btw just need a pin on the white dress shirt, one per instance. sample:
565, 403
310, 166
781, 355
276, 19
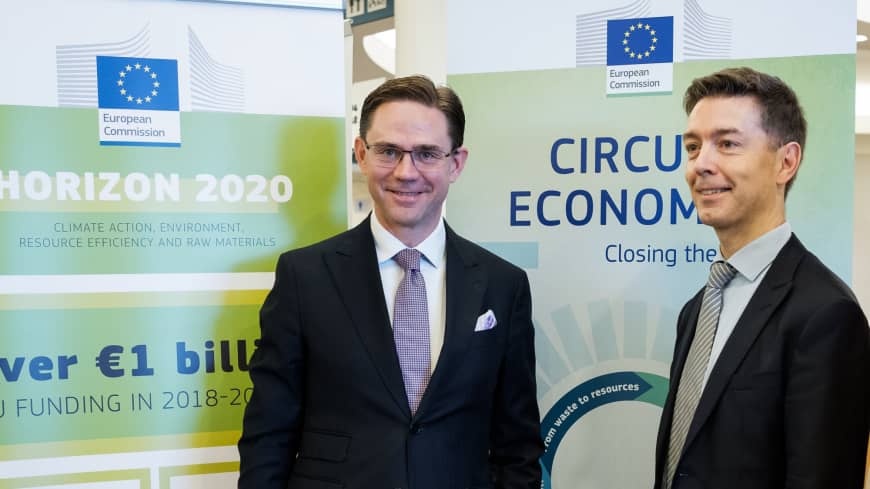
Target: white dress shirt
433, 266
752, 263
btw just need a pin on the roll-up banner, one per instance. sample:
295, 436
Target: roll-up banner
155, 158
575, 173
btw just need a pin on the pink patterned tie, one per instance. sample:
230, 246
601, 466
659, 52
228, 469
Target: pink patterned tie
411, 327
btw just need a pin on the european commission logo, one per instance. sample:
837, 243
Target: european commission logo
640, 55
138, 101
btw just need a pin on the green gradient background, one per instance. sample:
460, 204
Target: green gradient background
514, 118
593, 317
310, 150
307, 149
84, 332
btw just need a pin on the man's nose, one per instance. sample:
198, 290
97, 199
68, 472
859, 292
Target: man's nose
706, 160
406, 167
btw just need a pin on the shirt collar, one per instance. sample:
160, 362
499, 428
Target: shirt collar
386, 245
753, 258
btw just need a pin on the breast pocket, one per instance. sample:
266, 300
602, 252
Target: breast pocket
485, 339
757, 381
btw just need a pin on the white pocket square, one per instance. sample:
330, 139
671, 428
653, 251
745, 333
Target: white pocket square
486, 321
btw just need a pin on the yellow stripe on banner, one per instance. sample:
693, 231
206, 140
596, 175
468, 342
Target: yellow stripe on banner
118, 445
142, 475
167, 473
17, 302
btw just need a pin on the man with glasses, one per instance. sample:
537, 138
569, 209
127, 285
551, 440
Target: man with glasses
396, 354
770, 381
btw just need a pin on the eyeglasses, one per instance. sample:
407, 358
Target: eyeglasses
424, 158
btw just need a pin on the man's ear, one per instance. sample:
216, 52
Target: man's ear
789, 160
457, 162
359, 150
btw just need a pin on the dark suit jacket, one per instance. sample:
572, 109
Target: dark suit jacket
788, 402
329, 409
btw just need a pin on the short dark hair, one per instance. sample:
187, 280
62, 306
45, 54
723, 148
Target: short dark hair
782, 117
420, 89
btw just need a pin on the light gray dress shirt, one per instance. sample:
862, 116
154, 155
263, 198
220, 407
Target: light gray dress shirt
752, 263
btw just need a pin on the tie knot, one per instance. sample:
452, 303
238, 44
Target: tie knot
720, 274
408, 259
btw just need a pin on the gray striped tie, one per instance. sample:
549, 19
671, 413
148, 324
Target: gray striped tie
689, 388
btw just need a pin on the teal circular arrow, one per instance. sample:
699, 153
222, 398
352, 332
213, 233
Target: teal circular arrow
594, 393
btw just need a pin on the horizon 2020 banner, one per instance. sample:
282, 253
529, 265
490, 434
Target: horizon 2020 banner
155, 158
574, 134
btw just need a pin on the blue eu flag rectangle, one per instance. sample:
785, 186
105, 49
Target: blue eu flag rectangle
137, 83
640, 41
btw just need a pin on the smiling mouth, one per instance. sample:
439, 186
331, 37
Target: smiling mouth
714, 191
405, 194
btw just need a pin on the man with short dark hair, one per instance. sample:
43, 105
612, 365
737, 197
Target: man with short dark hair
770, 381
396, 354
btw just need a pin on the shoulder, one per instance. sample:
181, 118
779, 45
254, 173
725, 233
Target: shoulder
815, 279
824, 316
347, 242
818, 295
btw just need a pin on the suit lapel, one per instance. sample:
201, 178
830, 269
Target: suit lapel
354, 270
685, 335
465, 284
772, 290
